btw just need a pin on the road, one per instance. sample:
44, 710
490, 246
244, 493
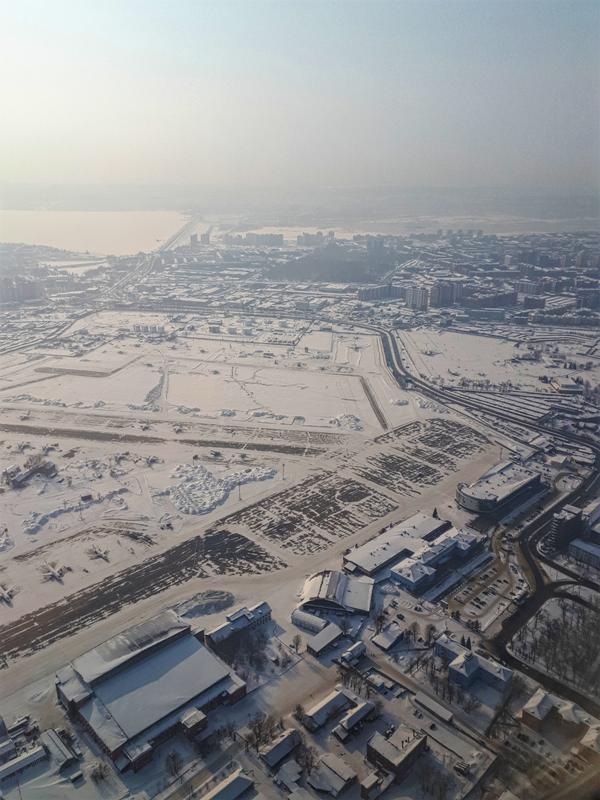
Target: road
541, 588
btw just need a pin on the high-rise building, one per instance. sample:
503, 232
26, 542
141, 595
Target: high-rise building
445, 293
417, 297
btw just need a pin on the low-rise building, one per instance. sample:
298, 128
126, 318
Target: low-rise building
392, 545
274, 753
238, 622
334, 703
465, 666
307, 621
332, 775
432, 560
321, 642
353, 653
352, 719
375, 784
585, 552
398, 753
389, 636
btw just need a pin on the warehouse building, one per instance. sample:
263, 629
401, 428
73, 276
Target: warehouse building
307, 621
138, 688
332, 590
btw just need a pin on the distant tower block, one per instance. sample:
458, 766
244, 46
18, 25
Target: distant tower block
205, 238
194, 241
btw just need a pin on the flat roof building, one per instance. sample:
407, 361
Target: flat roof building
394, 544
423, 567
398, 753
138, 687
585, 552
498, 487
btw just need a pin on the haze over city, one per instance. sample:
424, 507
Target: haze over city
261, 94
300, 400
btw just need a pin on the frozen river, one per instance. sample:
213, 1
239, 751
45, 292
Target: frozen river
101, 232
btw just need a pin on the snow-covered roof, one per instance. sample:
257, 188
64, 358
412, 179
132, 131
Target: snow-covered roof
149, 690
500, 482
240, 620
282, 746
100, 662
334, 702
540, 704
591, 738
334, 589
332, 775
324, 638
388, 636
390, 546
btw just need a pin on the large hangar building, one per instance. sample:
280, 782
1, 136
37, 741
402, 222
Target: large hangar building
143, 685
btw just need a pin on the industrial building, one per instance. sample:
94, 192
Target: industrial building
506, 483
136, 689
332, 590
394, 544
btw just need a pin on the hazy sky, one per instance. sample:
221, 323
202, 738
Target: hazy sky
490, 92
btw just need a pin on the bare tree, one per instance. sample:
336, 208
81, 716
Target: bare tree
174, 763
345, 625
306, 756
262, 729
99, 772
379, 619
